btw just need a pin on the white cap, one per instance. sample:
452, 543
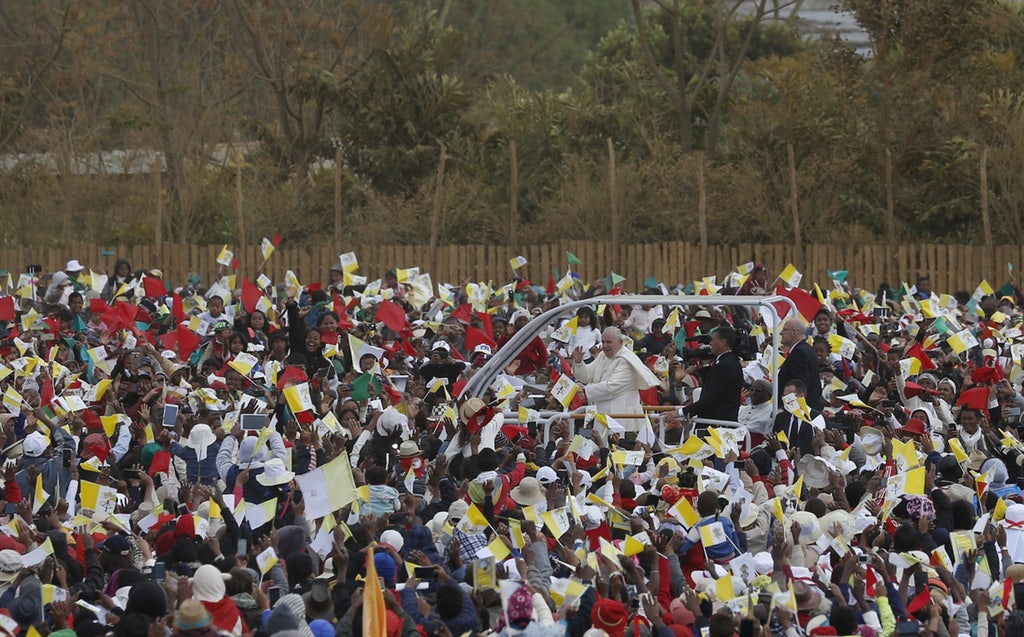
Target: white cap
483, 348
546, 475
35, 444
73, 266
441, 345
392, 538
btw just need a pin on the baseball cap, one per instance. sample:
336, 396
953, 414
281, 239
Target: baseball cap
546, 475
483, 348
116, 545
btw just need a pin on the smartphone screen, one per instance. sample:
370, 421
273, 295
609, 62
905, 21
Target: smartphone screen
170, 416
159, 572
274, 594
424, 572
67, 456
242, 548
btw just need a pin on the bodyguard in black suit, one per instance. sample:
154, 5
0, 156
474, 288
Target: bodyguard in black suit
800, 363
722, 382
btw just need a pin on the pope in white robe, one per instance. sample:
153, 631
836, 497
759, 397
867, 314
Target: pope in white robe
614, 379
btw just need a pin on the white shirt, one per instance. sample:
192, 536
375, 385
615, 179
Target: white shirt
757, 418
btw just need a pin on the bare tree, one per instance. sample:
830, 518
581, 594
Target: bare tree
721, 66
298, 51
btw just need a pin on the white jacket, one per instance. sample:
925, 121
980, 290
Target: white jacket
613, 385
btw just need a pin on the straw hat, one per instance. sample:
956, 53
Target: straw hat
528, 493
841, 519
871, 440
409, 449
810, 526
470, 408
814, 470
191, 615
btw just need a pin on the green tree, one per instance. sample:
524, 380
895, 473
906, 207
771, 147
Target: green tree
401, 103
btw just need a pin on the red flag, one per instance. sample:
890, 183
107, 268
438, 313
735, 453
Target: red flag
127, 312
46, 390
393, 394
512, 431
921, 600
235, 263
154, 287
344, 322
458, 386
551, 286
177, 310
407, 346
291, 373
101, 450
806, 304
392, 315
488, 325
168, 340
161, 463
188, 341
917, 351
476, 336
649, 396
974, 398
276, 240
564, 366
251, 295
464, 313
7, 308
98, 306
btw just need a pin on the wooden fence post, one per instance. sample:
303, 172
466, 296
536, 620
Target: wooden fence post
436, 214
702, 211
337, 197
990, 257
513, 230
795, 204
613, 196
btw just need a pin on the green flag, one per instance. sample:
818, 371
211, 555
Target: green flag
838, 275
613, 280
573, 259
361, 386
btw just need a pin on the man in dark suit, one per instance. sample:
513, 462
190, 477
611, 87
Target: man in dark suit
799, 432
801, 363
722, 382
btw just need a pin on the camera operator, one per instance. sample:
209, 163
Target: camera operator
722, 382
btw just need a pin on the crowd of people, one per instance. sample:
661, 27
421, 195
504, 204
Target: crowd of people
237, 457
